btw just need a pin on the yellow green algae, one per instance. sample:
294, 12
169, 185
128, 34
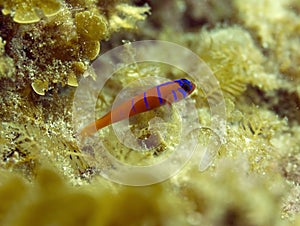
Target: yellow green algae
252, 48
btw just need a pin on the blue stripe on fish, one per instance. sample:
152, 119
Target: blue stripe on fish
132, 105
146, 101
182, 91
175, 96
161, 101
159, 94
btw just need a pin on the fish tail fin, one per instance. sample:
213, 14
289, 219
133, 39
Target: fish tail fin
93, 127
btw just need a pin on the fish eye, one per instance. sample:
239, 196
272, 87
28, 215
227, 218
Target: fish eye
186, 85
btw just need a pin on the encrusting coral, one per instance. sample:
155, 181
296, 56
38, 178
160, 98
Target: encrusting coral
40, 58
252, 49
276, 26
28, 11
229, 52
58, 48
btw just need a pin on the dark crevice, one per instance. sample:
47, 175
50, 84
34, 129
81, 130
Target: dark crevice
285, 103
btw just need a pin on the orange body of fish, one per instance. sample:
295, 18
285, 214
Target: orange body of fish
152, 98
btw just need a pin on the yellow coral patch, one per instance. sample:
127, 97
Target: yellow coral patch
235, 60
49, 7
40, 86
26, 11
72, 81
25, 14
90, 26
78, 67
126, 16
91, 49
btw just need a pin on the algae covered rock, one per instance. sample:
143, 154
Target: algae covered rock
28, 11
45, 49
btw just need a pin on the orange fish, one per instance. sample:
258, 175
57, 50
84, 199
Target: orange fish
154, 97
